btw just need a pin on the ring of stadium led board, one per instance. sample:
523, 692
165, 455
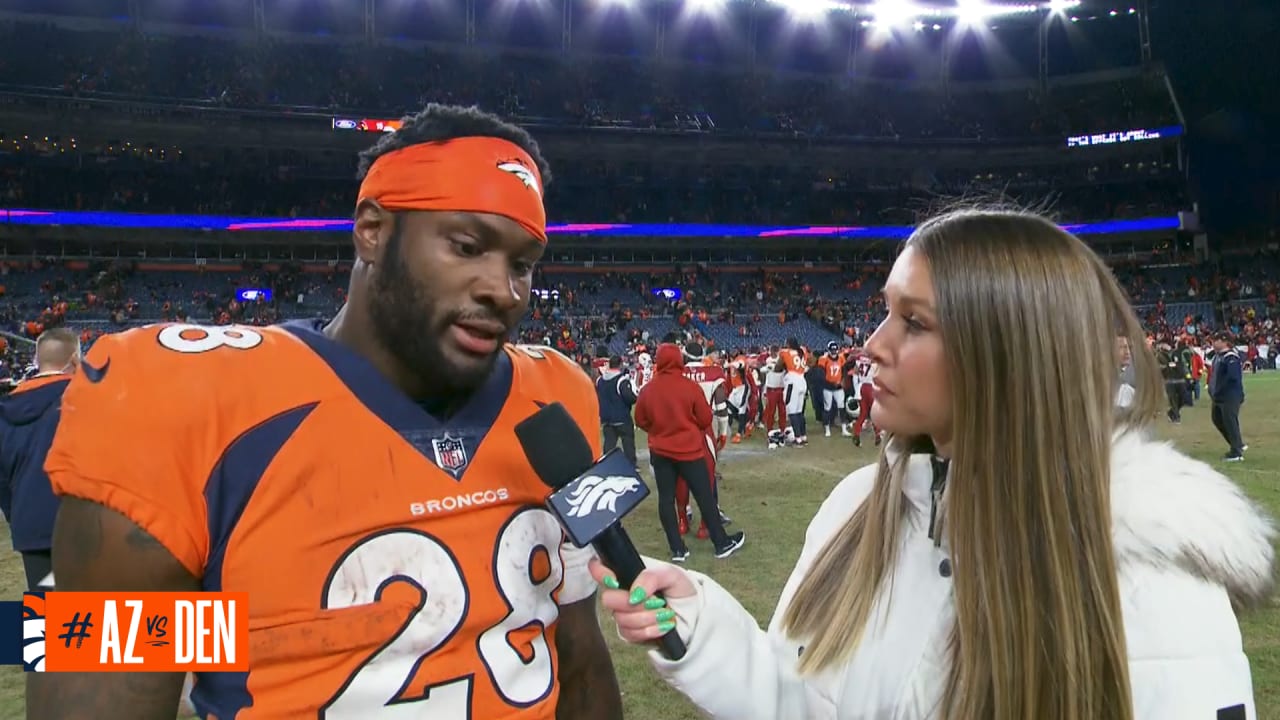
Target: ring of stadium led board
687, 230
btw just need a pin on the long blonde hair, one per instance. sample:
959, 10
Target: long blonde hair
1029, 309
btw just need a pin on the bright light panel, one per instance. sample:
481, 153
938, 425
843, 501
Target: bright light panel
894, 13
810, 8
902, 13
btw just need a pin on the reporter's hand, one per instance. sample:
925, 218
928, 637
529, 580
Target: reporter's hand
641, 617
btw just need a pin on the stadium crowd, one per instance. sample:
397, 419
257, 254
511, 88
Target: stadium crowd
614, 310
63, 173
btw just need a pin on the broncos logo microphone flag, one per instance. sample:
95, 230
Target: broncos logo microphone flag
598, 498
596, 493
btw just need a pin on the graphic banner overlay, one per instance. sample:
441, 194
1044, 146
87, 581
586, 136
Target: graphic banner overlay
598, 498
135, 632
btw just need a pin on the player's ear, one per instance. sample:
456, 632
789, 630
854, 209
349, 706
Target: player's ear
373, 227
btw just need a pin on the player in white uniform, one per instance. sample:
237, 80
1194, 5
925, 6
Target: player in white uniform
866, 399
775, 421
643, 372
715, 387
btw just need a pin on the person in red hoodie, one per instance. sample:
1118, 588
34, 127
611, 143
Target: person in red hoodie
673, 411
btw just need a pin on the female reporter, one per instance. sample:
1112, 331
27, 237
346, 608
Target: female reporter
1022, 549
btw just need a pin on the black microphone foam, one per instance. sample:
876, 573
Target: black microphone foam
586, 495
557, 450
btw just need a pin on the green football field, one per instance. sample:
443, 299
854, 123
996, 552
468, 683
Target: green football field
772, 495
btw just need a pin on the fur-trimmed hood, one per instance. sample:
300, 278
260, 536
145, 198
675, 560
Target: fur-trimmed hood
1168, 509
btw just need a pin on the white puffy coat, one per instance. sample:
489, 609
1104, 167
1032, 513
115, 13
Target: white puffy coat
1187, 542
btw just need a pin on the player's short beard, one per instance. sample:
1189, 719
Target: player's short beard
409, 322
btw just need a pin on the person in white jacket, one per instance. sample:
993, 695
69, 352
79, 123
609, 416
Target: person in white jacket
1023, 549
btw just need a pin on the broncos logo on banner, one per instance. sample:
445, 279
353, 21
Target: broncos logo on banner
597, 494
33, 632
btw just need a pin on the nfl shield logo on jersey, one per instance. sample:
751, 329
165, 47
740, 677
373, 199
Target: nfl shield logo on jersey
451, 454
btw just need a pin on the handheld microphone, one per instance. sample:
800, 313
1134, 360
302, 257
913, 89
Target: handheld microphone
590, 498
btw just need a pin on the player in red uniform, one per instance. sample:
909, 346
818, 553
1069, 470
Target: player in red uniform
866, 399
359, 480
775, 413
739, 399
753, 394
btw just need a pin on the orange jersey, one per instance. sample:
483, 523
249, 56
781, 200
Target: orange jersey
396, 564
831, 368
794, 360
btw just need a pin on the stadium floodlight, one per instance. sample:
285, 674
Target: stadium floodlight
973, 12
1061, 6
810, 8
889, 14
701, 7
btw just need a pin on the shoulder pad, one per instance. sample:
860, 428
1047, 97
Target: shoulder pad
547, 375
176, 349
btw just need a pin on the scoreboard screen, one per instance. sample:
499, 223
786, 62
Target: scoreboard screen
252, 295
366, 124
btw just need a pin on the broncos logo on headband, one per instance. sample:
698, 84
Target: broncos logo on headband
519, 170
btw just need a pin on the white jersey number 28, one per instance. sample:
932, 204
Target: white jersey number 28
376, 690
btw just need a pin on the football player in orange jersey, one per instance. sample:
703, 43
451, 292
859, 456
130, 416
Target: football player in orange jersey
832, 365
795, 388
739, 398
360, 480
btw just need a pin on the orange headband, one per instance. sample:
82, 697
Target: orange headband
469, 174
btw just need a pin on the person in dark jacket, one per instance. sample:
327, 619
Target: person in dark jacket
1182, 350
28, 420
1226, 390
673, 411
815, 379
1175, 372
617, 397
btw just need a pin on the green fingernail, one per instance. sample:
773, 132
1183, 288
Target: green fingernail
654, 603
610, 582
666, 616
665, 627
637, 594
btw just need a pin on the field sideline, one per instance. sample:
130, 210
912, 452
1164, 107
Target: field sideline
772, 495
